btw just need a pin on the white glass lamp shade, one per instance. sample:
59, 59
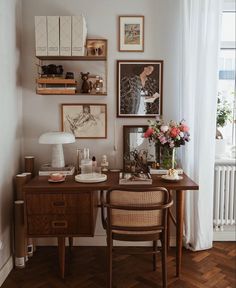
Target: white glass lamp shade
57, 139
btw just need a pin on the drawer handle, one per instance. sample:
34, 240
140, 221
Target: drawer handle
59, 224
58, 203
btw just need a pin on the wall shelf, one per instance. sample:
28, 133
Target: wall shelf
68, 92
44, 86
72, 58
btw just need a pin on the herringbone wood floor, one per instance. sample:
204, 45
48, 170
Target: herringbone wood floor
86, 269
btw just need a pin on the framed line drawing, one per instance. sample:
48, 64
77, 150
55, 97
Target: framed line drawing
138, 150
86, 121
131, 33
139, 88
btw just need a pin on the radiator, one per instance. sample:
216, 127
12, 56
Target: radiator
224, 196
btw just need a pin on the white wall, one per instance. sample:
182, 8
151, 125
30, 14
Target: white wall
42, 113
10, 119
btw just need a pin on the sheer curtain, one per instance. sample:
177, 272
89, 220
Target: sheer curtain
200, 25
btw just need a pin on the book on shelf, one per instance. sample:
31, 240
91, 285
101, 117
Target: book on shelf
47, 169
135, 178
56, 88
164, 171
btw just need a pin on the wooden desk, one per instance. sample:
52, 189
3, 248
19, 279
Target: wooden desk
69, 209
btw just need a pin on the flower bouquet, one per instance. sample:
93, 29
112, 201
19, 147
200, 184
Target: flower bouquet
169, 136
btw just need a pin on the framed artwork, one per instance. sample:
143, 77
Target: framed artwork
138, 152
139, 88
131, 33
96, 47
85, 120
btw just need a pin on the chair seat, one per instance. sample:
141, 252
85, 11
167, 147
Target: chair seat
123, 235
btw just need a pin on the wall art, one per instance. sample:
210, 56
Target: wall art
85, 120
139, 88
131, 33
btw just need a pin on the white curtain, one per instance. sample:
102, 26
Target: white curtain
200, 26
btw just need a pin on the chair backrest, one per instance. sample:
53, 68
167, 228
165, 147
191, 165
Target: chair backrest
138, 209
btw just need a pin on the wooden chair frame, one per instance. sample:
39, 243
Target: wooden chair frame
152, 236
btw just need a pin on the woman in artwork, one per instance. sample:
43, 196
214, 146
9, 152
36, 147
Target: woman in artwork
139, 92
83, 120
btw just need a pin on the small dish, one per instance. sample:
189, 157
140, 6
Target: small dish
167, 178
58, 180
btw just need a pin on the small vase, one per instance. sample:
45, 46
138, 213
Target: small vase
168, 158
173, 159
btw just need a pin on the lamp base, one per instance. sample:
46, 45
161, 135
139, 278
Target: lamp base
57, 156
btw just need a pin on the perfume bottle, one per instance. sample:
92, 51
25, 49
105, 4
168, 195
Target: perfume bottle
94, 164
86, 162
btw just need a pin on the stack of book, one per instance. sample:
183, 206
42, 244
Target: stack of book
135, 179
56, 85
164, 171
47, 169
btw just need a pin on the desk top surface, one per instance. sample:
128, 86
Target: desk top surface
41, 182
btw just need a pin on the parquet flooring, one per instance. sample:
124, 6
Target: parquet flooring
86, 268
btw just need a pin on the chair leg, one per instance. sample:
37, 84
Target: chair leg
168, 229
154, 256
109, 262
164, 258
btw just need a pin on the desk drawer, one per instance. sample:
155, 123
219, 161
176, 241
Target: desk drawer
53, 225
59, 203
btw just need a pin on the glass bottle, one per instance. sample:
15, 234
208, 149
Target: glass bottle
86, 163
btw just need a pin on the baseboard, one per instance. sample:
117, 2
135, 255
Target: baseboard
5, 270
98, 240
224, 236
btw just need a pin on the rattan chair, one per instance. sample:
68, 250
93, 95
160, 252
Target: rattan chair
136, 215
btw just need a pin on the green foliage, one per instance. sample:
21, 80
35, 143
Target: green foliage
224, 112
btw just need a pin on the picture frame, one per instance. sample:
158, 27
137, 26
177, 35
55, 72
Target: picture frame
85, 121
131, 33
139, 88
135, 145
96, 47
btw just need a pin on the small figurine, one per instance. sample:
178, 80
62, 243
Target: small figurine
86, 85
104, 163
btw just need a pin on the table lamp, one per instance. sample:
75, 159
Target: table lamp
57, 139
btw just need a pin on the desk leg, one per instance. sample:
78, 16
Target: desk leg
61, 254
70, 242
179, 228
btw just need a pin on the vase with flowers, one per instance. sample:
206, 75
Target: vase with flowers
169, 136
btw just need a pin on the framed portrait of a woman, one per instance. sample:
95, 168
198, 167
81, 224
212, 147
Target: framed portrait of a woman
139, 88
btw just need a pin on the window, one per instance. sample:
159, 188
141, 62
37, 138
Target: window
227, 70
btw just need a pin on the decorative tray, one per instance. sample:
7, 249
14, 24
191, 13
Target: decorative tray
169, 179
91, 178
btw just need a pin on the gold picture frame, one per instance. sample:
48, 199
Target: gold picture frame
131, 33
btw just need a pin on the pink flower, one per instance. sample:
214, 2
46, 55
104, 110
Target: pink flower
164, 128
148, 133
174, 132
162, 139
184, 128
